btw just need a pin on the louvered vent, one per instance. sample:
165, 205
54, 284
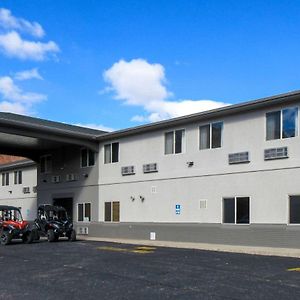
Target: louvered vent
129, 170
150, 168
276, 153
238, 158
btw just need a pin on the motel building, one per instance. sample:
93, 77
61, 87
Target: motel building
225, 176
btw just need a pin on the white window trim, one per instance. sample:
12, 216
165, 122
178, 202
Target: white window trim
47, 171
88, 151
281, 123
111, 212
288, 210
183, 149
111, 162
210, 135
83, 211
235, 200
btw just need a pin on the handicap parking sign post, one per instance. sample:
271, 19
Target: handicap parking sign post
177, 209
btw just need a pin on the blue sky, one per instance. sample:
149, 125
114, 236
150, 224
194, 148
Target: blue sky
117, 64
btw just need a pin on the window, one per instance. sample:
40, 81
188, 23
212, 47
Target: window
111, 153
294, 209
211, 135
282, 124
112, 211
46, 164
18, 177
236, 210
5, 179
84, 212
87, 158
174, 141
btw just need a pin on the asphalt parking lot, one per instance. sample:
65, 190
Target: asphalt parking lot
98, 270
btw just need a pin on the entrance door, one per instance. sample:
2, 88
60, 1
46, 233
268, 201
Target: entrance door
67, 203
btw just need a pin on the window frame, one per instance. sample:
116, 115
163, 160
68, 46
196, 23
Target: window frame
5, 178
111, 153
235, 211
88, 151
112, 211
281, 124
183, 141
18, 177
48, 169
210, 135
83, 212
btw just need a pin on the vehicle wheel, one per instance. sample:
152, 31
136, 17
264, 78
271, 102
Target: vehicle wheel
5, 238
28, 237
51, 235
72, 236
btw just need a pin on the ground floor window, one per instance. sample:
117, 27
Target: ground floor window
112, 211
84, 212
236, 210
295, 209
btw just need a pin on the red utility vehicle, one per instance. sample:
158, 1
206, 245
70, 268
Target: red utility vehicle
12, 226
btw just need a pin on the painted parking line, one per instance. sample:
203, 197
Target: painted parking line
293, 269
140, 249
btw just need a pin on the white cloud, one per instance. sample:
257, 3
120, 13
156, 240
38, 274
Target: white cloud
140, 83
8, 21
13, 45
28, 74
14, 99
96, 126
16, 108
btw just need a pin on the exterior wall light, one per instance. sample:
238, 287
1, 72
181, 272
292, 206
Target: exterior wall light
190, 163
142, 198
132, 198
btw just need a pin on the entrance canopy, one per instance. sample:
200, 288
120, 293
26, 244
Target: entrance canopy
29, 137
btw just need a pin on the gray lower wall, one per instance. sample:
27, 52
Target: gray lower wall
248, 235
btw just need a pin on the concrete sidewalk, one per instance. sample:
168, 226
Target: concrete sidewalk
270, 251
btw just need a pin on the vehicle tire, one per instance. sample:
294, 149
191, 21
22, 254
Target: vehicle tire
56, 237
5, 238
72, 236
28, 237
51, 235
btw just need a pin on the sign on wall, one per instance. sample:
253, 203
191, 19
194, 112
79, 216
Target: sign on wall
177, 209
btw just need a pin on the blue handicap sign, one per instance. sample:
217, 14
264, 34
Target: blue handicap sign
177, 209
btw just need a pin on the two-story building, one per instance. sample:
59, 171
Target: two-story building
228, 175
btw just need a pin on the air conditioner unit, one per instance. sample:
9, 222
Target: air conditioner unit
55, 179
71, 177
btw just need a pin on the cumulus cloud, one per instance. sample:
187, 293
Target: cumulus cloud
8, 21
13, 45
28, 74
140, 83
96, 126
14, 99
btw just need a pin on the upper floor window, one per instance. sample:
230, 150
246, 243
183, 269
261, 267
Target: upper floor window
111, 153
174, 141
18, 177
87, 158
211, 135
282, 124
46, 164
5, 179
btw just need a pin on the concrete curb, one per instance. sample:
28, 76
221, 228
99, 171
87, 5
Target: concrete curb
268, 251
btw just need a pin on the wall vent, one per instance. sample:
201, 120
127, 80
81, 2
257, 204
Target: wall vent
82, 230
55, 179
129, 170
276, 153
203, 204
150, 168
26, 190
71, 177
238, 158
